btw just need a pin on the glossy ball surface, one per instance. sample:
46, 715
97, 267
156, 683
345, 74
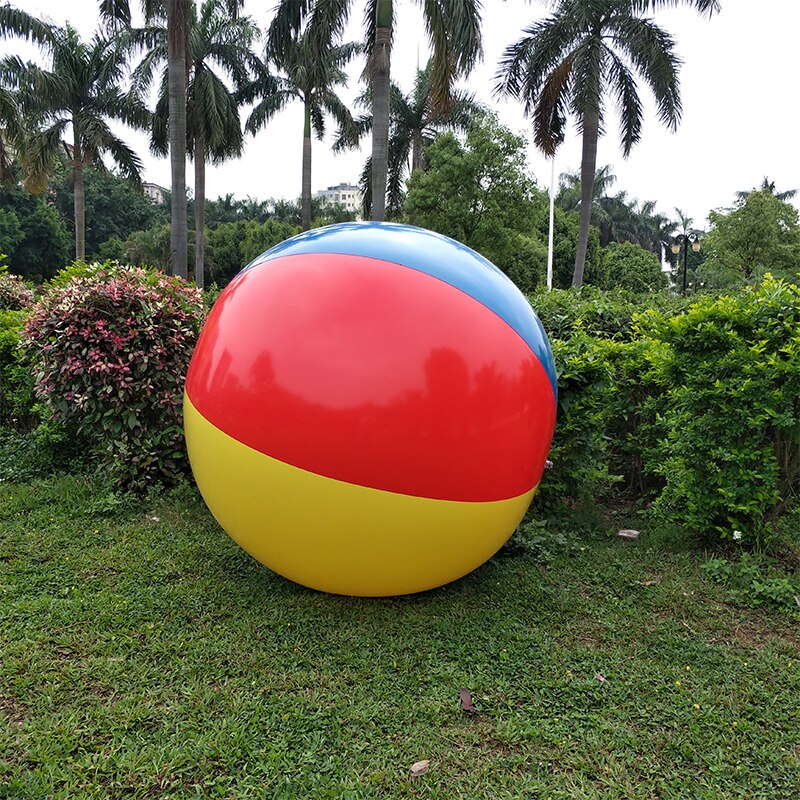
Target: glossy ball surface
369, 409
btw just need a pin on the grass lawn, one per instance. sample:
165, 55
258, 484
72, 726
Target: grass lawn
145, 655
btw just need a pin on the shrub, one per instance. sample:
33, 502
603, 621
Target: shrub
753, 581
14, 294
730, 377
604, 314
110, 350
580, 447
231, 246
631, 267
16, 382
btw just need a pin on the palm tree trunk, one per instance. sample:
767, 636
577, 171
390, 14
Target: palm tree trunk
199, 209
306, 185
416, 153
380, 106
177, 29
78, 196
591, 124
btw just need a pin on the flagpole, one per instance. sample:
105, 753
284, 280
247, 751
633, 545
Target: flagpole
552, 214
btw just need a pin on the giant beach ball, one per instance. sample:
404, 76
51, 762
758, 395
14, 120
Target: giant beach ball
369, 409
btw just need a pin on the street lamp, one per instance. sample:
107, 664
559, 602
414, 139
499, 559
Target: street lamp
684, 240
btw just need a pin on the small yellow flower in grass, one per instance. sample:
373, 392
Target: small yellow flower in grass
696, 705
688, 668
678, 683
734, 723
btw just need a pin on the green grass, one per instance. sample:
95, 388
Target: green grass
145, 655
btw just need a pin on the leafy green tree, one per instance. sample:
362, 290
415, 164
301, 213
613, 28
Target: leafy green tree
566, 231
761, 234
44, 245
629, 266
414, 122
312, 66
148, 248
480, 193
233, 245
453, 30
218, 43
570, 61
10, 231
114, 206
80, 91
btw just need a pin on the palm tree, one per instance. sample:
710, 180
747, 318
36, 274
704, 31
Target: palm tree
178, 14
213, 127
571, 60
312, 67
768, 186
453, 30
80, 91
13, 134
414, 122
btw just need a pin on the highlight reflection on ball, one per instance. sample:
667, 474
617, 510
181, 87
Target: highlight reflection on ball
369, 409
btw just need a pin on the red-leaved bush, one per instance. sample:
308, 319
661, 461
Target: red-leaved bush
14, 294
110, 350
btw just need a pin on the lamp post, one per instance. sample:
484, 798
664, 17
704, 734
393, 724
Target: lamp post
684, 241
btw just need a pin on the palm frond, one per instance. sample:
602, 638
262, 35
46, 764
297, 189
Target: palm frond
15, 22
651, 50
629, 106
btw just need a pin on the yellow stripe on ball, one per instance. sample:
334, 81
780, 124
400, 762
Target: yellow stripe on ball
335, 536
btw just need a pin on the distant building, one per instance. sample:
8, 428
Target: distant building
155, 192
344, 194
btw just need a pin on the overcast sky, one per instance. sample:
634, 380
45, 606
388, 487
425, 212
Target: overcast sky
740, 108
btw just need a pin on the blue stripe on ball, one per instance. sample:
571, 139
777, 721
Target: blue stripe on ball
432, 254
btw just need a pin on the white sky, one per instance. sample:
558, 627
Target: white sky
739, 90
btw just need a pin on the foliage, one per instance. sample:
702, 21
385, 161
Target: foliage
602, 314
760, 235
230, 209
585, 393
617, 217
730, 375
414, 122
110, 351
695, 407
752, 582
454, 37
312, 63
480, 193
233, 245
150, 248
14, 294
81, 91
569, 62
40, 449
628, 266
566, 229
115, 207
32, 234
16, 381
